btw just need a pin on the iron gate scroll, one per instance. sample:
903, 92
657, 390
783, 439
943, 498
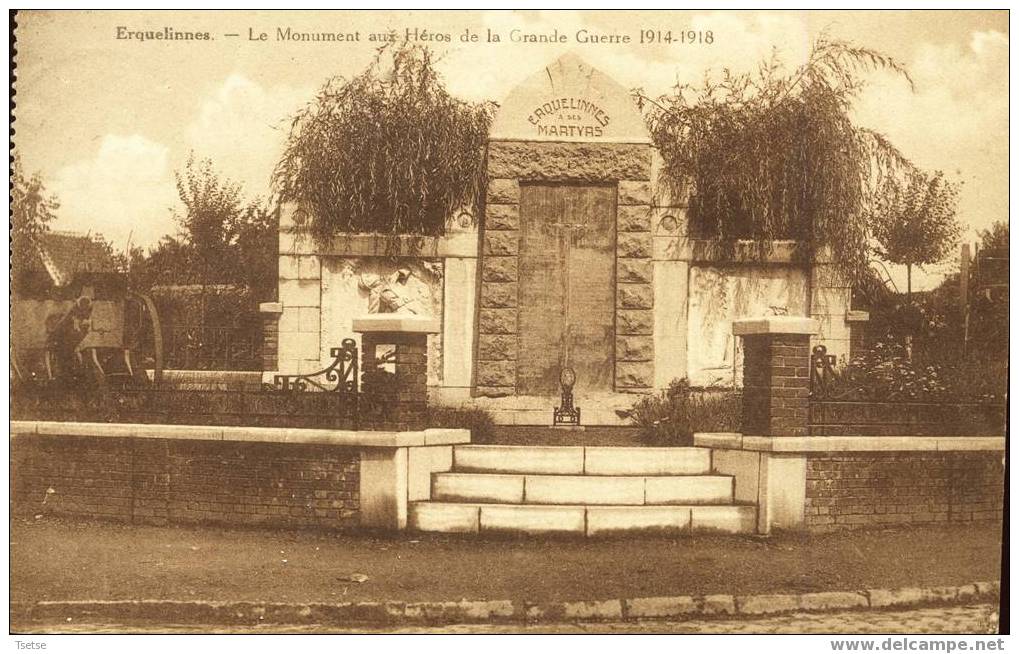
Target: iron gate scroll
342, 373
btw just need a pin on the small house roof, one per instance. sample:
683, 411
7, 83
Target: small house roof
63, 254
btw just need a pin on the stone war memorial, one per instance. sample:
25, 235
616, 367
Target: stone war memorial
582, 256
578, 294
508, 321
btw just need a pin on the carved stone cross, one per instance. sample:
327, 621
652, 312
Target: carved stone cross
567, 231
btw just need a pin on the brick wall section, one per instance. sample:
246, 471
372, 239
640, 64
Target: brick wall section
270, 341
858, 490
776, 384
403, 398
182, 481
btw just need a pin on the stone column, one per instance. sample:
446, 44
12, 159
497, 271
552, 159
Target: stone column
496, 367
404, 396
271, 312
776, 374
635, 291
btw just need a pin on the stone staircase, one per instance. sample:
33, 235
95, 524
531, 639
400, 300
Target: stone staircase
590, 491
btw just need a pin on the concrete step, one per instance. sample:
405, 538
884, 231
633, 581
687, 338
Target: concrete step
522, 459
581, 489
647, 460
519, 459
451, 517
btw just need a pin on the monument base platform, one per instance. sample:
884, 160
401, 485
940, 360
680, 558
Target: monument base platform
600, 409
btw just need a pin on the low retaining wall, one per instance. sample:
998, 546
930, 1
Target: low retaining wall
862, 489
186, 481
827, 483
151, 473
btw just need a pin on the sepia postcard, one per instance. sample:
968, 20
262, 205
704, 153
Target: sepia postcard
510, 322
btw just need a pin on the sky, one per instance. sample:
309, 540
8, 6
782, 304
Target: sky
106, 121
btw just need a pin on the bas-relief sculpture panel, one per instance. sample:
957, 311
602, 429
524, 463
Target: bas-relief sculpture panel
719, 295
354, 287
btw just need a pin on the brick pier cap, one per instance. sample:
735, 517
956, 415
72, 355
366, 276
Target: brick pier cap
775, 325
396, 322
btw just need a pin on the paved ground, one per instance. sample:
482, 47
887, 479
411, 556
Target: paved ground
980, 619
68, 560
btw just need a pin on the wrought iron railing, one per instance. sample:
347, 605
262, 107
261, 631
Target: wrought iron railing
340, 381
340, 376
823, 375
340, 396
203, 347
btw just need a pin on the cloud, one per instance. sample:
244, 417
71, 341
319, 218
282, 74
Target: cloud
124, 192
490, 71
242, 126
956, 120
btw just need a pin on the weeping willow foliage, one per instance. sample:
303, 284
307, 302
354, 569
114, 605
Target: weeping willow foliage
388, 151
774, 154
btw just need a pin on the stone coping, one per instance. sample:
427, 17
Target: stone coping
336, 437
460, 245
804, 444
207, 375
396, 322
775, 325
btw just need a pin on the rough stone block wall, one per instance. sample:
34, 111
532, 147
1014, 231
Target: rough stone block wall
181, 481
635, 293
860, 490
776, 384
509, 163
497, 324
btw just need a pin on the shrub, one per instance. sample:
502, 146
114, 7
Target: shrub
672, 416
387, 151
885, 372
479, 421
776, 155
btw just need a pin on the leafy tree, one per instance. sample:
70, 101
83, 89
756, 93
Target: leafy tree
915, 223
995, 238
32, 209
211, 209
774, 155
220, 239
387, 151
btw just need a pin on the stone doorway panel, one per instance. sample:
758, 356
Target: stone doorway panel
566, 266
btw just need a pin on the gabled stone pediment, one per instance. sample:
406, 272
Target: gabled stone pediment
570, 101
